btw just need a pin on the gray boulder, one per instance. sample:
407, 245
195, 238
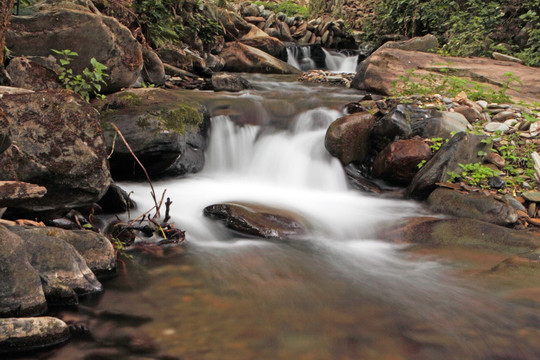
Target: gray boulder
80, 30
463, 148
56, 142
424, 44
229, 82
166, 131
28, 74
473, 205
18, 334
21, 293
153, 71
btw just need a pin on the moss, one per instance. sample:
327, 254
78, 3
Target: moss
128, 98
178, 118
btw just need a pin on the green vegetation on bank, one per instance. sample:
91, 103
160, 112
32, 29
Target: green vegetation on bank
290, 8
473, 27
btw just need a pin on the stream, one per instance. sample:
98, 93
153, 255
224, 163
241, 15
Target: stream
338, 293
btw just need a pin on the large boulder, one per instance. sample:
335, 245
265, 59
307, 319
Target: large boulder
90, 35
23, 334
21, 293
243, 58
462, 148
472, 205
56, 143
28, 74
398, 162
405, 121
348, 138
424, 44
378, 72
229, 82
259, 39
166, 131
257, 220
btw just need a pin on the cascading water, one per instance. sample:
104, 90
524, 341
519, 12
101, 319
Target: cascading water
300, 58
340, 63
338, 293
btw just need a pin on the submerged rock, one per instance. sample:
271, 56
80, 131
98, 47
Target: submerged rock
18, 334
257, 220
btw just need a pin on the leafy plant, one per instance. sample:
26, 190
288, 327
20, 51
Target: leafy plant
473, 173
87, 84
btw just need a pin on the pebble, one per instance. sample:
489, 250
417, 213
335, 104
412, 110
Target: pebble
513, 202
495, 126
503, 116
532, 196
511, 122
482, 103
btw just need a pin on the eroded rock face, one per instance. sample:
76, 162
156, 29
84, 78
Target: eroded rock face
398, 162
167, 132
28, 74
18, 334
473, 205
243, 58
56, 142
348, 138
384, 66
88, 34
21, 293
257, 220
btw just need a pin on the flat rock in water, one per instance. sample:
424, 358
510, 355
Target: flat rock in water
23, 334
257, 220
472, 205
461, 232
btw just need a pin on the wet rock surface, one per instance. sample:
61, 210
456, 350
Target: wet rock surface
18, 334
349, 138
243, 58
257, 220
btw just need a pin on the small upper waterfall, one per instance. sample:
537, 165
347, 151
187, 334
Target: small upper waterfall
341, 63
300, 58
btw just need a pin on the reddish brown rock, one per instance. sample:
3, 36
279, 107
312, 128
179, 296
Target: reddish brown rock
398, 162
348, 138
243, 58
471, 114
384, 66
496, 160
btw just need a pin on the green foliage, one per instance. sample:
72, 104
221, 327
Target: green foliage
473, 27
415, 84
288, 7
87, 84
436, 143
421, 164
473, 173
163, 23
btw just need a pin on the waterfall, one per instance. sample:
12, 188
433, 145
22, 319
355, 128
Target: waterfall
341, 63
300, 58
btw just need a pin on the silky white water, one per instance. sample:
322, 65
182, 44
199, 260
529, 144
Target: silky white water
340, 63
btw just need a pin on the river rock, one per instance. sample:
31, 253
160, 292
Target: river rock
17, 334
153, 71
13, 193
533, 196
58, 144
462, 148
58, 262
496, 126
348, 138
257, 220
90, 35
268, 44
385, 66
96, 250
166, 131
398, 162
28, 74
21, 293
243, 58
405, 121
116, 200
229, 82
461, 232
234, 25
424, 44
472, 205
504, 57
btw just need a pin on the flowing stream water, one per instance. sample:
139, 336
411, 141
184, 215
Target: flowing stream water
338, 293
